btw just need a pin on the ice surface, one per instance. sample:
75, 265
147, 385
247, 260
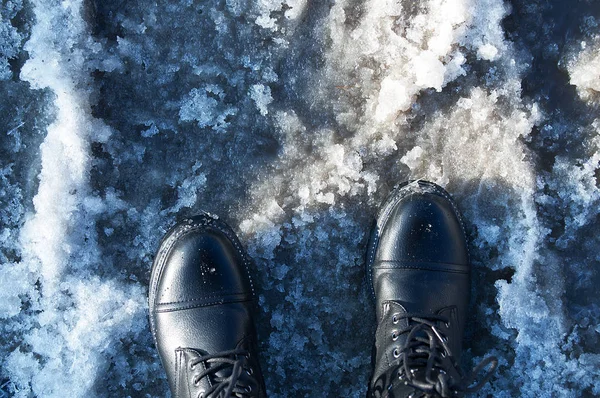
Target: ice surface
292, 121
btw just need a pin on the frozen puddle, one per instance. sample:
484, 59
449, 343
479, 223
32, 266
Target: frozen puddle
292, 121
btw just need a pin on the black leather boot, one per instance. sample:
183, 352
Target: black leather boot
418, 263
201, 312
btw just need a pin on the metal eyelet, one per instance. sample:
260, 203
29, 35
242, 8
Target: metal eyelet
201, 395
248, 389
395, 319
395, 335
396, 353
192, 366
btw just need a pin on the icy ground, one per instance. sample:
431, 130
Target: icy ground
293, 119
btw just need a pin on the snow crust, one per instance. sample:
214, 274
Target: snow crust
293, 121
584, 69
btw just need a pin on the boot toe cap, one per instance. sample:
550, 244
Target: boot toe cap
421, 225
199, 262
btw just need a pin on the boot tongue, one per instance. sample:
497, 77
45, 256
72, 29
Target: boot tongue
400, 390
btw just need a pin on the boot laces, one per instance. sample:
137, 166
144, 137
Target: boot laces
427, 363
225, 386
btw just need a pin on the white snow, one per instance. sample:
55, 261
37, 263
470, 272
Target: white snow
262, 97
584, 70
205, 107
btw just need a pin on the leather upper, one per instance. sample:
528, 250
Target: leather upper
201, 303
419, 263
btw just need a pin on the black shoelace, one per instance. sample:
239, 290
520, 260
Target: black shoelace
427, 364
229, 386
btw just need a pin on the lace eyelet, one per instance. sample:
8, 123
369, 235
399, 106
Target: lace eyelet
249, 371
247, 356
394, 335
196, 382
192, 366
396, 352
395, 319
201, 395
248, 389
